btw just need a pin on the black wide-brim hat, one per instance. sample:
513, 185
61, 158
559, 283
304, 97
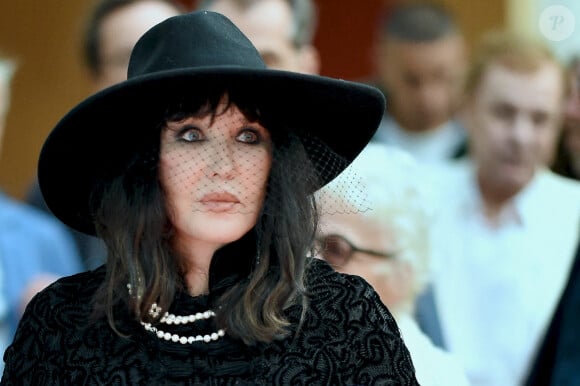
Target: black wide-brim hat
98, 136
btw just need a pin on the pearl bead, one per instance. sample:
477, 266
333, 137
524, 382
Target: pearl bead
169, 319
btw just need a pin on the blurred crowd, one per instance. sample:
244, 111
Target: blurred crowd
464, 213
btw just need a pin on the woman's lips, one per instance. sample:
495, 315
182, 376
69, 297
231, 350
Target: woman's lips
219, 202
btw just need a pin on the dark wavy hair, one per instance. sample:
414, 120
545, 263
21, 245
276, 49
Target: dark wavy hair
131, 217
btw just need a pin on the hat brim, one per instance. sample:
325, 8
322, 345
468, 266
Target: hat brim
100, 132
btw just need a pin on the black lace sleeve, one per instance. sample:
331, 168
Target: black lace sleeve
348, 337
27, 359
51, 331
378, 341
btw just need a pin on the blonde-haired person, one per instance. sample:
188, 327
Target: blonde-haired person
382, 235
507, 227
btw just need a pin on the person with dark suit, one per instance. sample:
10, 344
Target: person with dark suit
558, 360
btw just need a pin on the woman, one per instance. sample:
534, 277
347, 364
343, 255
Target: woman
198, 172
384, 239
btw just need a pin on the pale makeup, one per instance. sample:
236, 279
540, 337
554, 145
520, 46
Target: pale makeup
214, 171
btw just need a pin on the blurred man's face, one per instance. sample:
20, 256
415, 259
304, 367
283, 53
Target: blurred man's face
119, 33
269, 26
513, 120
422, 80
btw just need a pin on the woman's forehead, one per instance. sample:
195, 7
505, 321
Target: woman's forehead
212, 106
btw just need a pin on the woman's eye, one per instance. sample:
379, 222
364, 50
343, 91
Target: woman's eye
248, 136
191, 135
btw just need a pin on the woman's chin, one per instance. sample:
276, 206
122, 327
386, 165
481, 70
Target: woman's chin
221, 231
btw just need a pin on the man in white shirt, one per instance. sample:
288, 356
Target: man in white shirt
420, 62
508, 227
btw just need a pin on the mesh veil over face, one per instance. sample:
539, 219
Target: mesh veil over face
217, 170
213, 169
223, 164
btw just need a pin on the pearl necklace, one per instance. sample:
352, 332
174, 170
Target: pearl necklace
169, 319
183, 339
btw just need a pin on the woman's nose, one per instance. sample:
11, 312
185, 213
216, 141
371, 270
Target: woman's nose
221, 160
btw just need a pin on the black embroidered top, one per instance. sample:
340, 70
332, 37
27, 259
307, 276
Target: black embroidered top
347, 338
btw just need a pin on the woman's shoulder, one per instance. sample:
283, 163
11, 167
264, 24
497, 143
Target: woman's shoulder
57, 322
331, 293
348, 331
87, 281
75, 289
321, 278
63, 306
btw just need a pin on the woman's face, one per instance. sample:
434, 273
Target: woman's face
214, 171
